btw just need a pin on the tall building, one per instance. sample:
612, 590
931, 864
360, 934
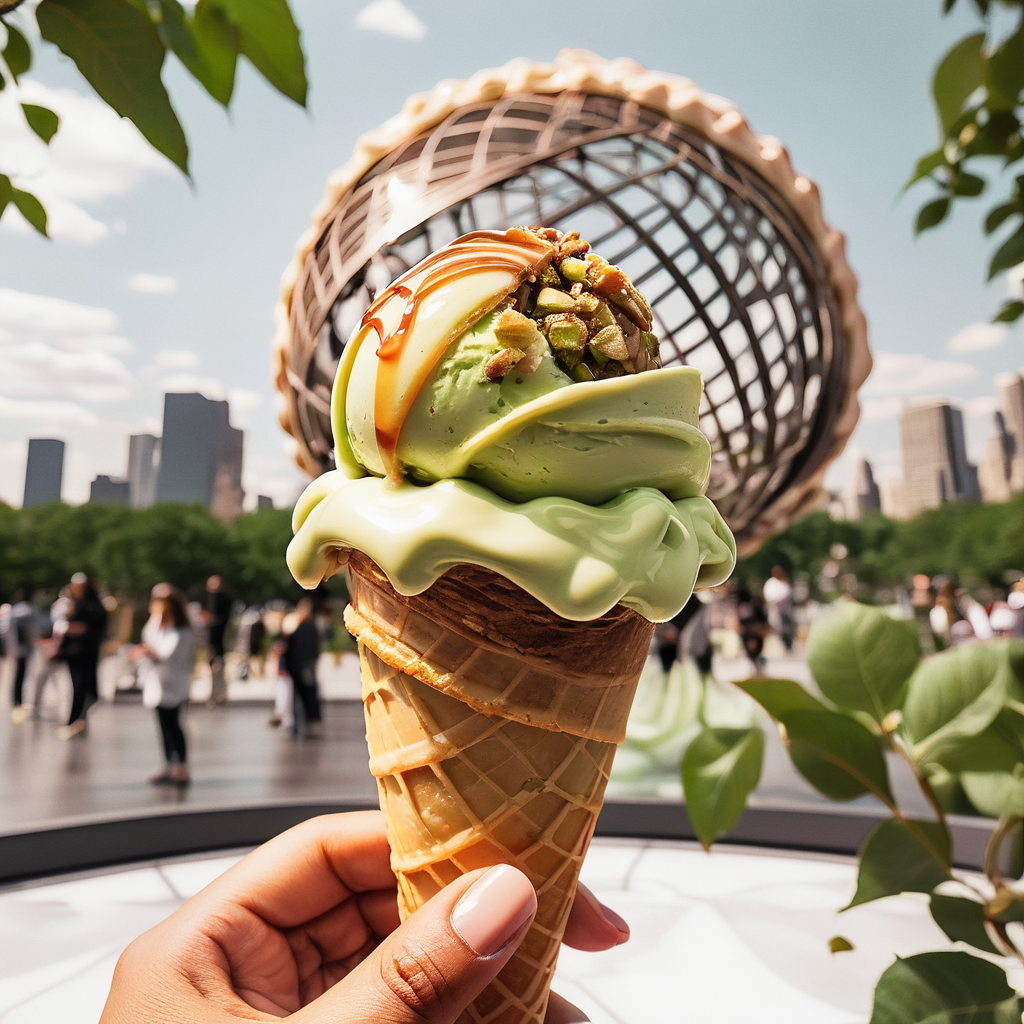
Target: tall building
264, 502
1011, 394
200, 455
44, 471
143, 452
935, 466
862, 496
109, 490
996, 466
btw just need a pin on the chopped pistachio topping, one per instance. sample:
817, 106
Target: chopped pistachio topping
585, 310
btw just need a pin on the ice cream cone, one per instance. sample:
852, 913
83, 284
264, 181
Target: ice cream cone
492, 724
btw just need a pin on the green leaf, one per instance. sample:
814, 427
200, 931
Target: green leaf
959, 73
998, 215
119, 53
836, 754
269, 37
995, 749
962, 920
931, 214
928, 163
41, 120
894, 859
995, 793
216, 42
6, 192
720, 769
945, 988
31, 209
861, 658
1010, 312
1009, 254
1004, 73
839, 944
17, 52
779, 696
955, 694
965, 184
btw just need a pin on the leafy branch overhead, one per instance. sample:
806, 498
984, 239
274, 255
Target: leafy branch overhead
977, 93
120, 47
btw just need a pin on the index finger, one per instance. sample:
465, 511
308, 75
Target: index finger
311, 868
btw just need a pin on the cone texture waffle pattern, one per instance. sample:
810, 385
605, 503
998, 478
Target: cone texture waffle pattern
519, 783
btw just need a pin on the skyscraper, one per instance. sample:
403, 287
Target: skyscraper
200, 455
44, 471
142, 469
935, 466
996, 466
861, 497
109, 490
1011, 393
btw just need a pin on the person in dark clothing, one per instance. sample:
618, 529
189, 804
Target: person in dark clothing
216, 613
21, 636
753, 623
80, 650
301, 653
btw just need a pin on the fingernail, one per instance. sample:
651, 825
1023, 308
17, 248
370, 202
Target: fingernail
493, 910
607, 913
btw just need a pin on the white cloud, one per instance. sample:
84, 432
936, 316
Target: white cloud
983, 405
54, 416
243, 400
35, 369
65, 325
874, 409
95, 154
392, 18
897, 373
977, 338
176, 359
153, 284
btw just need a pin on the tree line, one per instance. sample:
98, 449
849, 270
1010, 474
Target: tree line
126, 550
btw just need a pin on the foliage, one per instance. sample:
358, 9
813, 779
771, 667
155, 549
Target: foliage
978, 543
128, 550
956, 718
977, 93
120, 47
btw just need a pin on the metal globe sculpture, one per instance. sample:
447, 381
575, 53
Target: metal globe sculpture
747, 281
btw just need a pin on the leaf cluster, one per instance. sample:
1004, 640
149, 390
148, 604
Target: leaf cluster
956, 720
120, 47
128, 550
977, 90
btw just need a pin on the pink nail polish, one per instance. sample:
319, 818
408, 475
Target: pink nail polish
607, 913
493, 909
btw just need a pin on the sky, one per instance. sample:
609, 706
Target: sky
152, 283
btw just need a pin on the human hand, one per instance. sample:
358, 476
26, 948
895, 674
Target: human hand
307, 927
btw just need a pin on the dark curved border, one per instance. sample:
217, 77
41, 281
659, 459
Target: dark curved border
96, 843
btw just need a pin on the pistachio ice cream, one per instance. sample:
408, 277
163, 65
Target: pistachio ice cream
503, 404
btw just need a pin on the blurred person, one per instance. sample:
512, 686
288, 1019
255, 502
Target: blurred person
753, 626
778, 599
251, 635
300, 656
944, 612
307, 928
974, 612
80, 650
168, 649
922, 599
53, 627
20, 635
695, 638
284, 693
216, 615
1004, 620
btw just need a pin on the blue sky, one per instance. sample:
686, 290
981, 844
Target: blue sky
153, 284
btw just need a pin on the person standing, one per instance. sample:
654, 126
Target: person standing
80, 650
216, 613
300, 655
753, 626
168, 647
21, 637
778, 597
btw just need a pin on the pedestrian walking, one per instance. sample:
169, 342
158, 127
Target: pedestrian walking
753, 625
778, 599
216, 614
300, 656
168, 659
20, 636
80, 650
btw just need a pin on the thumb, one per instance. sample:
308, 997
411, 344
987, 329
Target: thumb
433, 966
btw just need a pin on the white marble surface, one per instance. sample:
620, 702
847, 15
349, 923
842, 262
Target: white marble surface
730, 937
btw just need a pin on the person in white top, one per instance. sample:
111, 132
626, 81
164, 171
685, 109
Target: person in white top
168, 652
778, 598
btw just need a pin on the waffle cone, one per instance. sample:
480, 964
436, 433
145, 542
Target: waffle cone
491, 724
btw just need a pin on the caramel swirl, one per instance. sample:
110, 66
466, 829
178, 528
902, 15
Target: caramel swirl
518, 252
